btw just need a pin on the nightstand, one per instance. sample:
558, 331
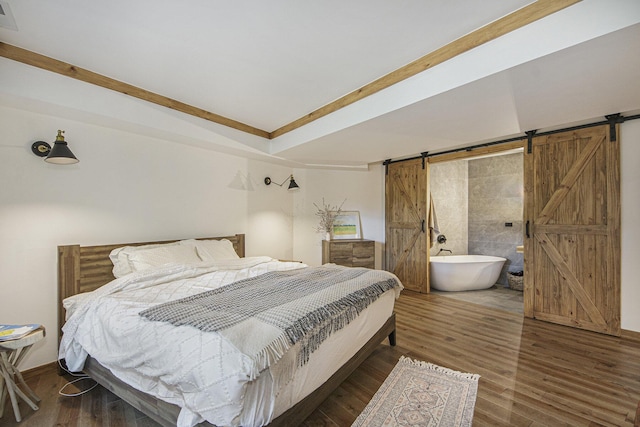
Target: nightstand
12, 352
350, 253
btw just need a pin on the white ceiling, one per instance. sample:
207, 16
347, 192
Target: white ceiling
268, 63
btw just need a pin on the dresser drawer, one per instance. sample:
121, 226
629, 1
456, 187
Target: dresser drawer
350, 253
338, 250
363, 250
363, 262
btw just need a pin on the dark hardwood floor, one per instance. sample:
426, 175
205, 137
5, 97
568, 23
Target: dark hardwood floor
532, 373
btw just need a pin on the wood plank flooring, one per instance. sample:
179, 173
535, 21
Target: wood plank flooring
532, 373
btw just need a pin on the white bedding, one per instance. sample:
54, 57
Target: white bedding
200, 372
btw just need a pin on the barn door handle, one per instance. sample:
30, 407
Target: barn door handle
423, 225
527, 229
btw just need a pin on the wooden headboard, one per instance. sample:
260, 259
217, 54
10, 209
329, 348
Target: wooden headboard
86, 268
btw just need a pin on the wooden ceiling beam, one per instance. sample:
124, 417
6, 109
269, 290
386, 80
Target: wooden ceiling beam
50, 64
502, 26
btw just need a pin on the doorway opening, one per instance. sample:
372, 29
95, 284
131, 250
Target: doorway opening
479, 205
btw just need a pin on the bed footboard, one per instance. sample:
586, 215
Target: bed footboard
166, 414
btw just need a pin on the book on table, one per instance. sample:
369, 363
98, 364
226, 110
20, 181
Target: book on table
14, 332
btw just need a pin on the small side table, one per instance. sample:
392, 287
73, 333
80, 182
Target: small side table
12, 352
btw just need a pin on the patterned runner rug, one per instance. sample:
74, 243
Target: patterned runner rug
418, 393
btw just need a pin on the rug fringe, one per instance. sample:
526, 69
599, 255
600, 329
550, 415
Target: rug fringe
433, 367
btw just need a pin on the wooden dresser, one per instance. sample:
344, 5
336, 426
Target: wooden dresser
350, 253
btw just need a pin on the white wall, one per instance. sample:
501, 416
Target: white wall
363, 191
630, 203
129, 187
126, 188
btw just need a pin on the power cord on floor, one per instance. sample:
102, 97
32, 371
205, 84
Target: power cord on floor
81, 377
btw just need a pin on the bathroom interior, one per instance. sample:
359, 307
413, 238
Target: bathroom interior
479, 204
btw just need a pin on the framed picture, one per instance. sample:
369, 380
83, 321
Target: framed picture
346, 225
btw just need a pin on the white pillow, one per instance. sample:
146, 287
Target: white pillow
120, 257
214, 250
144, 259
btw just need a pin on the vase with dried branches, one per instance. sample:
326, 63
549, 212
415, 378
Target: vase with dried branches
327, 216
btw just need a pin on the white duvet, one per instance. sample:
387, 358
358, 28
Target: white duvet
200, 372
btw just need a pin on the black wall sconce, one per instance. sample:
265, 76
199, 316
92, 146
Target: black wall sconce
292, 183
60, 154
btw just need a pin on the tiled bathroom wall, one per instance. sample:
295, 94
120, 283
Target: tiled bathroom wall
495, 201
475, 201
449, 190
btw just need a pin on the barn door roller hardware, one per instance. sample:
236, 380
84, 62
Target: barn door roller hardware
530, 134
386, 166
613, 119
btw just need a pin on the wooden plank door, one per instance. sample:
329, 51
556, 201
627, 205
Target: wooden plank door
572, 229
406, 223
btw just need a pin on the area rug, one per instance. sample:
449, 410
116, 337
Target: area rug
418, 393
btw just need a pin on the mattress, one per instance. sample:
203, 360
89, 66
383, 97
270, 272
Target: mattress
200, 372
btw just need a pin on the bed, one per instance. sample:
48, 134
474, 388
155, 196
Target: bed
85, 270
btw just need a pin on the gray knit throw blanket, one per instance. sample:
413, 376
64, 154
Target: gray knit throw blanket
265, 315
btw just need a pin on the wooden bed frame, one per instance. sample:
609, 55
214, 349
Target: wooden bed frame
86, 268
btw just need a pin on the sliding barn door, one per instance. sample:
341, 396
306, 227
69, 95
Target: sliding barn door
406, 223
572, 229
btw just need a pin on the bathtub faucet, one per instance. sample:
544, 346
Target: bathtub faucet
444, 250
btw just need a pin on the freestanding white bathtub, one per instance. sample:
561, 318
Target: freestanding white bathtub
465, 272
